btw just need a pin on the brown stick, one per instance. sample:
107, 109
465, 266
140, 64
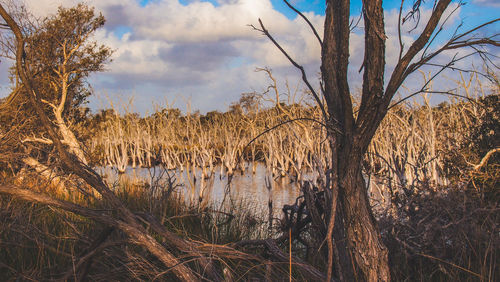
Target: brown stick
486, 157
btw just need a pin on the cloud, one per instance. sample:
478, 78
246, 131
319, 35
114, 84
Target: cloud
172, 50
202, 21
491, 3
202, 48
202, 57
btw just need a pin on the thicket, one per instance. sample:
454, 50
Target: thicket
416, 143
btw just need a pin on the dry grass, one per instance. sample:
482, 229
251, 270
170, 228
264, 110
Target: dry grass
39, 242
439, 218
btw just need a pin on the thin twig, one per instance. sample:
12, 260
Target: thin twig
295, 64
307, 20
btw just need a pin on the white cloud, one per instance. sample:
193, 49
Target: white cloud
209, 52
201, 21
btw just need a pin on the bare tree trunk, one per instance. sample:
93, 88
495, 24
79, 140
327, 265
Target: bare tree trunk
343, 261
365, 243
350, 139
364, 256
69, 138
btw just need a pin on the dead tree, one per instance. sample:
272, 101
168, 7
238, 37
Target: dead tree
350, 133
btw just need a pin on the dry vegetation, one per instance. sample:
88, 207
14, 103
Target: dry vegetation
427, 182
433, 173
427, 177
414, 144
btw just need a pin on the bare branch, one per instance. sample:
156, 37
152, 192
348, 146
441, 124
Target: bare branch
401, 45
398, 74
441, 28
452, 45
38, 140
307, 20
413, 13
353, 25
295, 64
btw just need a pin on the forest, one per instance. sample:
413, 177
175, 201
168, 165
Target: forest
390, 187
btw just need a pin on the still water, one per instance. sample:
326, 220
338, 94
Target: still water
251, 189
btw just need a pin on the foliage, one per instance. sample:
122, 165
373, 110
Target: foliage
60, 52
62, 55
474, 144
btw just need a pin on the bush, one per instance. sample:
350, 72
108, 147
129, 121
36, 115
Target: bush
446, 235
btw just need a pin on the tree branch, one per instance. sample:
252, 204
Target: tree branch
38, 140
486, 157
398, 76
307, 20
302, 71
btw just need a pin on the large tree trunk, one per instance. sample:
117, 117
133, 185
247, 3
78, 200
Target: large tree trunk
365, 243
69, 139
364, 257
350, 137
343, 260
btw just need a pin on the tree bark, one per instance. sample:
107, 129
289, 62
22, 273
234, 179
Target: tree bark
349, 140
365, 243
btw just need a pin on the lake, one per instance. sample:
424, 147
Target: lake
249, 188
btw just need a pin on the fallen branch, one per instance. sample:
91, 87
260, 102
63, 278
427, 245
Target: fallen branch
486, 157
136, 233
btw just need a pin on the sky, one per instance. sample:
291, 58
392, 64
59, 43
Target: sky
205, 54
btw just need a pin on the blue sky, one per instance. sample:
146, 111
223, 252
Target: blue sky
474, 11
203, 53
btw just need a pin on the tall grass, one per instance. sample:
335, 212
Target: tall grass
42, 243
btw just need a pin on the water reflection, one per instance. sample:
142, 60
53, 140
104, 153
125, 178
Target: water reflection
248, 188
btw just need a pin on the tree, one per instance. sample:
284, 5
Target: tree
126, 220
351, 132
59, 51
